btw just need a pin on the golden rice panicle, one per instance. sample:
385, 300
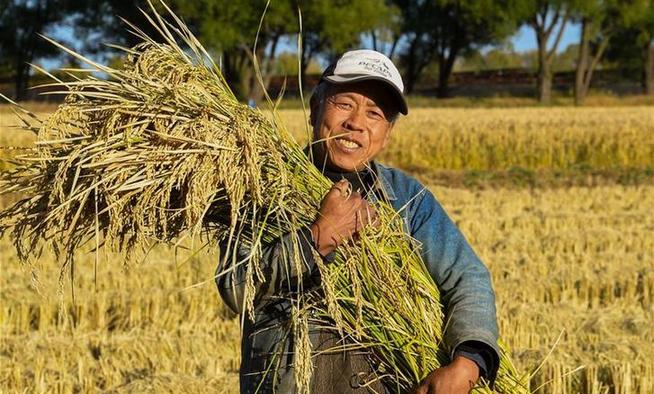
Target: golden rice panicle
162, 151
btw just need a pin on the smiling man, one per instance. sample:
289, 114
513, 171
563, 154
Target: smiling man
353, 111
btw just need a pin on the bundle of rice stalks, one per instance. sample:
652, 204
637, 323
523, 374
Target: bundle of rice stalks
162, 151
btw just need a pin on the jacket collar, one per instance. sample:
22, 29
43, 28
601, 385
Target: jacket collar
383, 183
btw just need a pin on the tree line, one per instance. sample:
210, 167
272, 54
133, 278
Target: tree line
421, 35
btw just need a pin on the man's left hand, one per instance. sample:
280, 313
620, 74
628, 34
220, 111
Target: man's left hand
459, 377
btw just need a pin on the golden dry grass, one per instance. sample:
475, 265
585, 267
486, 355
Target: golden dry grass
532, 138
576, 261
136, 331
559, 138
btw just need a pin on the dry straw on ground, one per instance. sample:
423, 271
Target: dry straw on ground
136, 331
163, 151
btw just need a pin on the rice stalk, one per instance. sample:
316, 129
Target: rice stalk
163, 151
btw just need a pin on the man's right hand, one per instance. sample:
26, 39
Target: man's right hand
342, 214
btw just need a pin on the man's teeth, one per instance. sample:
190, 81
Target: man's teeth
348, 144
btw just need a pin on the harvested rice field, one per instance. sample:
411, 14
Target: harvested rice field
572, 266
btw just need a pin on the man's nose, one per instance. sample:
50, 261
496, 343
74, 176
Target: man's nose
356, 121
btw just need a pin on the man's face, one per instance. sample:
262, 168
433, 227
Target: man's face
352, 125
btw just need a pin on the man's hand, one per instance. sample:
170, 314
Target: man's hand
457, 378
342, 214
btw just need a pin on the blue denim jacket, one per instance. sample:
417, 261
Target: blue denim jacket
462, 278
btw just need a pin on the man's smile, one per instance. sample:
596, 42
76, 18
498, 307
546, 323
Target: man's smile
347, 144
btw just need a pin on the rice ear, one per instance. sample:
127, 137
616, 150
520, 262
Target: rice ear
166, 152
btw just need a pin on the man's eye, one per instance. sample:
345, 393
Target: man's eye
375, 115
345, 106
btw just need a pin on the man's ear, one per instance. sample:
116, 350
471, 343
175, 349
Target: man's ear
387, 138
313, 115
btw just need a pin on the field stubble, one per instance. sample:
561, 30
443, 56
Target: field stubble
573, 264
492, 139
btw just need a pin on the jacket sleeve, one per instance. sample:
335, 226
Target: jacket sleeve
464, 281
279, 275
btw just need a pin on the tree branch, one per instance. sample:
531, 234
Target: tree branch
552, 51
555, 20
596, 58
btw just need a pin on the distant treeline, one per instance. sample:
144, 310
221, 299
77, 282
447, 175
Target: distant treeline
429, 39
489, 82
511, 82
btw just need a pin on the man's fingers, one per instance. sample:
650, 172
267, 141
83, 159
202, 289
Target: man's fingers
347, 211
366, 215
343, 187
371, 213
356, 198
339, 191
359, 220
422, 389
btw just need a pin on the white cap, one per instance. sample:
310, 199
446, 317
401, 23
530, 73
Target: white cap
366, 64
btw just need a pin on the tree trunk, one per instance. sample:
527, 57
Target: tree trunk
254, 90
410, 78
304, 65
445, 66
543, 31
236, 72
305, 59
21, 81
648, 71
258, 87
582, 63
391, 53
594, 62
544, 76
587, 62
228, 68
545, 84
411, 65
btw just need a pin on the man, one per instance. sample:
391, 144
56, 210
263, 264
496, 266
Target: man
353, 111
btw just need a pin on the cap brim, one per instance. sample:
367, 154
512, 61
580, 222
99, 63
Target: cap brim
341, 79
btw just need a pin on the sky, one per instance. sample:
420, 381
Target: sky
525, 40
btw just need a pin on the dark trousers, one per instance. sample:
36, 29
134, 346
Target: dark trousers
340, 371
